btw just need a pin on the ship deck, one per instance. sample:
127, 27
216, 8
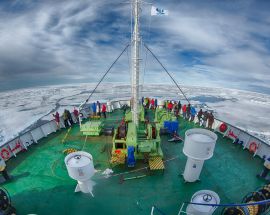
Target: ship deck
41, 185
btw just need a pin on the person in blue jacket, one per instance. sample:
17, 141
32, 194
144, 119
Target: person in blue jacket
94, 109
192, 113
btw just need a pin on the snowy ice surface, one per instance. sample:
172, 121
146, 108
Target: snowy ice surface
21, 108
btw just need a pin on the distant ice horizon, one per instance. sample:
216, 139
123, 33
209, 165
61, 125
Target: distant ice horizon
22, 108
259, 89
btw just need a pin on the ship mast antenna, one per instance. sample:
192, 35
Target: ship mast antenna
135, 62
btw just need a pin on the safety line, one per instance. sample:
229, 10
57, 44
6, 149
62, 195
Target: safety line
108, 70
231, 205
166, 72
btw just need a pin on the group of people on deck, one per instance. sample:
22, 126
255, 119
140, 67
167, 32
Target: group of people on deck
99, 109
205, 118
150, 103
67, 117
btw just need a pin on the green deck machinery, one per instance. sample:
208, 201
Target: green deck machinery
141, 142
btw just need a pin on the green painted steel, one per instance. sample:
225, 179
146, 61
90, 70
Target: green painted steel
41, 184
128, 115
92, 127
162, 115
140, 137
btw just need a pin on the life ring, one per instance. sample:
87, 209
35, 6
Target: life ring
5, 154
223, 127
253, 147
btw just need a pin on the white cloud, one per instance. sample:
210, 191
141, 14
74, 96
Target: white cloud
231, 43
64, 40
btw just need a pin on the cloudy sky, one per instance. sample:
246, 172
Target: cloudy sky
215, 43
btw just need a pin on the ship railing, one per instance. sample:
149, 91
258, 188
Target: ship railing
35, 134
217, 208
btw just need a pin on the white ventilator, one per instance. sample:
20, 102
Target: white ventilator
199, 146
80, 167
203, 197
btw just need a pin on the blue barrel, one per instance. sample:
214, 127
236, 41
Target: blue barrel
172, 126
131, 158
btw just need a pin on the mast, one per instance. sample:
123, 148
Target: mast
135, 63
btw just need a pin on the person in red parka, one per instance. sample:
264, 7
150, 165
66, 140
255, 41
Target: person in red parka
103, 110
170, 106
57, 119
152, 104
76, 114
184, 111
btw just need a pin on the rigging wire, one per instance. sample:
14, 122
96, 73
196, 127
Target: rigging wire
108, 70
167, 72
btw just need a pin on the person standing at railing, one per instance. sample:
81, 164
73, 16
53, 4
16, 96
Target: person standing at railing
57, 119
199, 115
188, 112
69, 117
176, 110
192, 113
94, 109
145, 102
179, 106
103, 110
184, 111
152, 103
204, 118
266, 169
211, 120
170, 106
76, 114
98, 109
65, 118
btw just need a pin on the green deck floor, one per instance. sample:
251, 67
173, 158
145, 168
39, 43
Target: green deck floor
41, 184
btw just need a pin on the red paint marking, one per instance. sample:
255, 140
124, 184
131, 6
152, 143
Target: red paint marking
231, 134
17, 146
